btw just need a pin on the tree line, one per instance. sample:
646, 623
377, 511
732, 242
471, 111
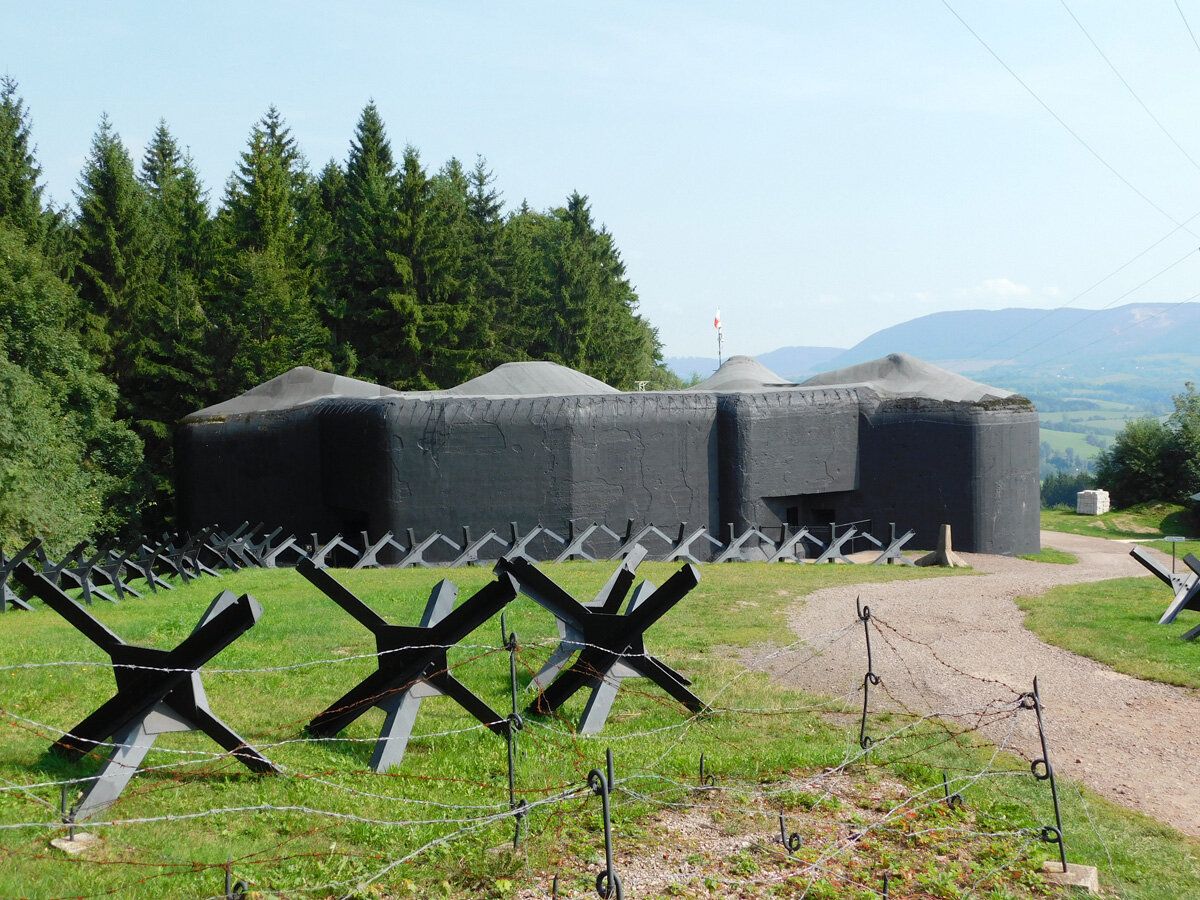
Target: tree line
1155, 459
1150, 459
141, 303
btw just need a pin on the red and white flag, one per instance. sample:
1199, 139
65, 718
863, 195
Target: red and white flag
717, 321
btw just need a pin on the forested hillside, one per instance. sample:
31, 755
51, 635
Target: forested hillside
148, 299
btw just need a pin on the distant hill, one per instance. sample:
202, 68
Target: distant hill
1137, 355
799, 362
687, 366
1076, 340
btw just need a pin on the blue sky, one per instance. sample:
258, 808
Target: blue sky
817, 170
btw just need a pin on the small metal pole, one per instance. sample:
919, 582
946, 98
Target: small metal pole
1042, 771
952, 800
67, 816
791, 842
515, 724
608, 882
864, 615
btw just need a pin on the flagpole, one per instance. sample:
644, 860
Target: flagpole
720, 336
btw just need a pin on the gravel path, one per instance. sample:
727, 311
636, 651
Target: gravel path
1135, 742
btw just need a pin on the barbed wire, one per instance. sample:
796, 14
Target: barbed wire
919, 733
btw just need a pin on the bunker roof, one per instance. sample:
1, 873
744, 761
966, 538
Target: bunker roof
901, 375
295, 387
742, 373
896, 375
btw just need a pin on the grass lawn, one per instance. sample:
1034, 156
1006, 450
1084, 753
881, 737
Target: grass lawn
1050, 555
1116, 622
329, 827
1145, 522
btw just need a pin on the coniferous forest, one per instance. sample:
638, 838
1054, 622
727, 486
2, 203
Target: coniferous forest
149, 298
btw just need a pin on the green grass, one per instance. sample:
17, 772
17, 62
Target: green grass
768, 750
1050, 555
1144, 522
1116, 623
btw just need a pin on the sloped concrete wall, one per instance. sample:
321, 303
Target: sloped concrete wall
786, 445
486, 462
263, 467
970, 465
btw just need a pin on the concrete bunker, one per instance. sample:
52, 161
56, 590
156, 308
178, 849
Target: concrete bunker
895, 440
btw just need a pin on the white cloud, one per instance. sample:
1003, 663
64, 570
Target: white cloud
1004, 289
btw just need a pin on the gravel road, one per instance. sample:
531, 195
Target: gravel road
1135, 742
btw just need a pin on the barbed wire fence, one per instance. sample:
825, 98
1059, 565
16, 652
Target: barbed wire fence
784, 825
788, 828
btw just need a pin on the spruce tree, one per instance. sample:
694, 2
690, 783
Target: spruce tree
458, 335
320, 208
268, 318
183, 232
172, 374
374, 280
568, 299
119, 271
20, 193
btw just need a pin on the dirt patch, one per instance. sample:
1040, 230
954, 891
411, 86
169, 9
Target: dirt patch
959, 644
1130, 525
726, 843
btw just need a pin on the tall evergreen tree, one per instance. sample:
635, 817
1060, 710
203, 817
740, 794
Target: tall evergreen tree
269, 320
119, 270
458, 335
179, 203
183, 232
324, 218
172, 374
375, 279
485, 210
318, 207
20, 193
570, 301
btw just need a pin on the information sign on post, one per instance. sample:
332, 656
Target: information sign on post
1173, 539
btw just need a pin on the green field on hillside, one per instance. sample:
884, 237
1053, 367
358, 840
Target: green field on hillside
1060, 441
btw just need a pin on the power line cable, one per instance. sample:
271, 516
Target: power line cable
1186, 25
1096, 312
983, 353
1129, 87
1095, 154
1061, 121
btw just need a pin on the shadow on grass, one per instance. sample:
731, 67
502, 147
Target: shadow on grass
1181, 522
